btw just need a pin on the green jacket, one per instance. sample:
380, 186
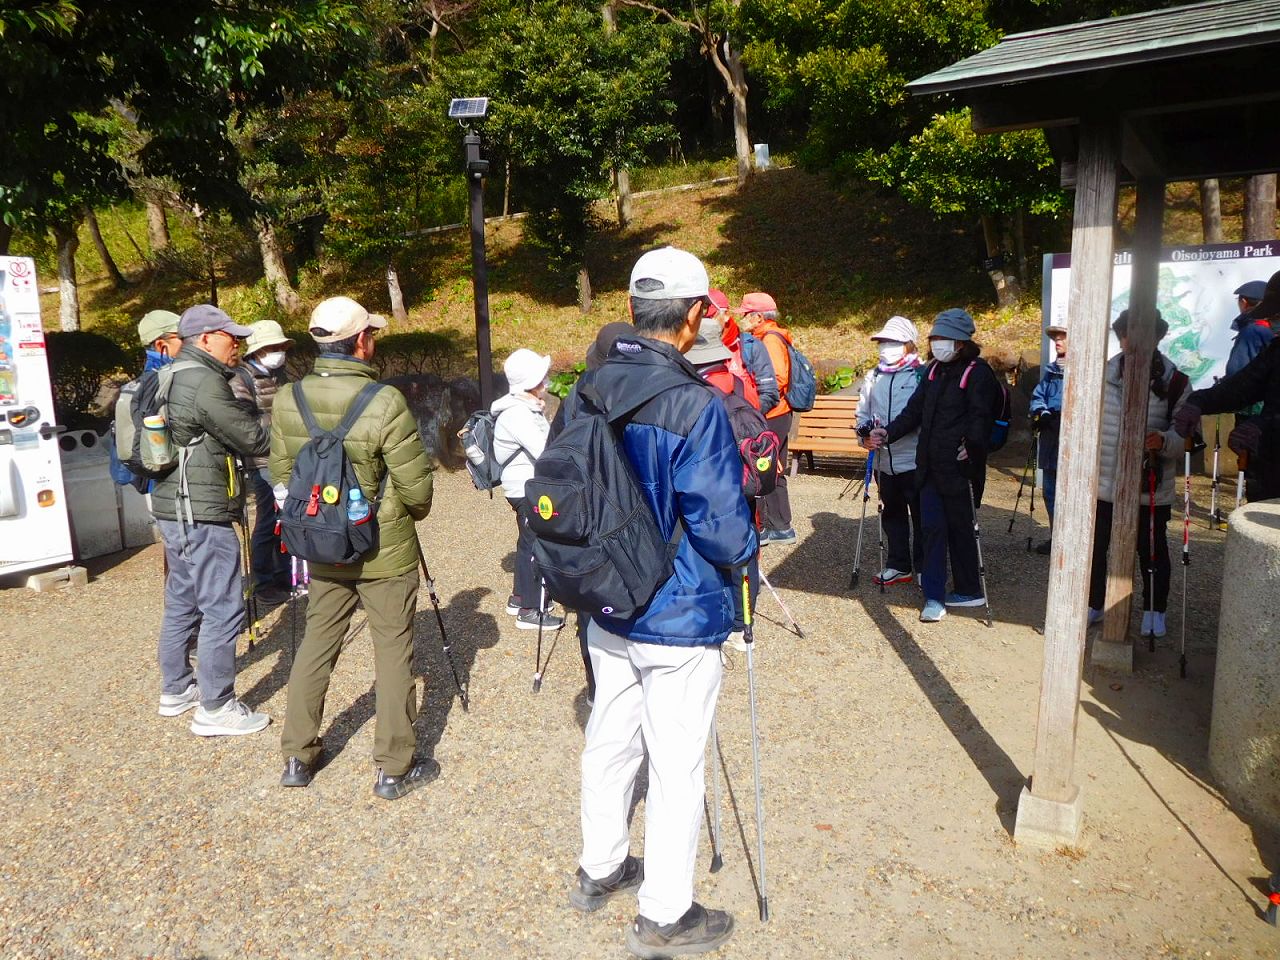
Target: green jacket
383, 441
201, 403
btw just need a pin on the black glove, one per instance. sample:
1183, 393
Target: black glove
1247, 437
864, 429
1187, 420
1045, 419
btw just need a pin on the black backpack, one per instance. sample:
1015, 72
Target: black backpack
313, 522
1001, 413
477, 437
596, 541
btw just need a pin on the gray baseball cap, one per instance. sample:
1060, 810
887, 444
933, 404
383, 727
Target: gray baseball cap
206, 318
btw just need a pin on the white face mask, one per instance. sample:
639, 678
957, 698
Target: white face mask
944, 351
891, 353
273, 360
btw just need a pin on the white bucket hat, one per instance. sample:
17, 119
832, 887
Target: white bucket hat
525, 369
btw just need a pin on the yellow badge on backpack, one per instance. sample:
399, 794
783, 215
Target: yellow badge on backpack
763, 464
546, 510
329, 494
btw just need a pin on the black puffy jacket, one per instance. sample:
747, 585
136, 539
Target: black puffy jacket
948, 415
1257, 382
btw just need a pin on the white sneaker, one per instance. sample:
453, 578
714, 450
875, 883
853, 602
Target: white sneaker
232, 719
738, 640
1095, 615
1158, 627
889, 576
176, 704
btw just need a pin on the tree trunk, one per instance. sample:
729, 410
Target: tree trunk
1006, 286
108, 262
157, 227
622, 184
1020, 245
274, 270
67, 238
737, 84
584, 289
1260, 207
398, 312
6, 234
1211, 211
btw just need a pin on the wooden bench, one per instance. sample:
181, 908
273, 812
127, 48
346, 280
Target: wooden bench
827, 428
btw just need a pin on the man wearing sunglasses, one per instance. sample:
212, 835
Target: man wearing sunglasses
195, 506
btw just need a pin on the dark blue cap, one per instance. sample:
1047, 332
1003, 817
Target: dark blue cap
953, 324
1253, 290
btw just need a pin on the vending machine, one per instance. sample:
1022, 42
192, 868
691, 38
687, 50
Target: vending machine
34, 528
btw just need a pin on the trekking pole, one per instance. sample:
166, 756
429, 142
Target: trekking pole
1242, 464
977, 540
880, 522
1215, 518
1186, 549
794, 625
1151, 546
246, 557
444, 637
1026, 467
537, 656
866, 495
748, 635
293, 607
717, 860
1031, 511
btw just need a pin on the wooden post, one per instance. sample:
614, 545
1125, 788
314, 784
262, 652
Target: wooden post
1115, 651
1049, 810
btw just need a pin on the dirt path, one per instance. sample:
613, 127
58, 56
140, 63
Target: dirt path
893, 755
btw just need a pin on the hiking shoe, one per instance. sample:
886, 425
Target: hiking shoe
528, 619
1095, 615
296, 774
1044, 547
1158, 627
778, 536
176, 704
737, 640
271, 596
699, 931
419, 775
232, 719
933, 611
965, 600
591, 895
513, 605
889, 576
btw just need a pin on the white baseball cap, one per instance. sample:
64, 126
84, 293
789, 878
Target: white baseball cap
340, 318
669, 274
899, 330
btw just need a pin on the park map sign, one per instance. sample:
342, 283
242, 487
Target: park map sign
1195, 296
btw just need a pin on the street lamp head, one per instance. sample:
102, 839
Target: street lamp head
468, 109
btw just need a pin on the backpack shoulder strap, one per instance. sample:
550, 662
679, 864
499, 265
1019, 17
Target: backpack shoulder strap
964, 377
357, 408
304, 410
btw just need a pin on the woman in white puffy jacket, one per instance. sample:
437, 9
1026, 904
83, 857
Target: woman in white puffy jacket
885, 391
519, 436
1163, 450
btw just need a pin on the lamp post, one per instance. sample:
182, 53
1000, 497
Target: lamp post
463, 110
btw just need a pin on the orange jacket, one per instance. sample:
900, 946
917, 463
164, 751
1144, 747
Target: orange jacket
781, 358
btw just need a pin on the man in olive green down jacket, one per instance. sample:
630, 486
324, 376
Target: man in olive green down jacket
195, 506
383, 443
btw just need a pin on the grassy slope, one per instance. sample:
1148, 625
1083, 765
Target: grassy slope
837, 266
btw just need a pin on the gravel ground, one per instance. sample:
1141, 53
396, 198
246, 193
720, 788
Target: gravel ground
893, 754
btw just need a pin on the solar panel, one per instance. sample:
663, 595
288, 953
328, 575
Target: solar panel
468, 108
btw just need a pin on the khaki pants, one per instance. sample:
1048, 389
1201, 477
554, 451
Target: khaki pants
390, 605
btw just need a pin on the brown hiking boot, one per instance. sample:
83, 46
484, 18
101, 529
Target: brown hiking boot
699, 931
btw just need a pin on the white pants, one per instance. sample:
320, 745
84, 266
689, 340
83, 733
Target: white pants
663, 699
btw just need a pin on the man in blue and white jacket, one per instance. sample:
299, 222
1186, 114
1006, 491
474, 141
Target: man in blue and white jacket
658, 674
885, 391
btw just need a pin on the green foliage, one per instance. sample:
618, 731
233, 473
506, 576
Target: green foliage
78, 364
562, 381
570, 102
949, 169
837, 380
